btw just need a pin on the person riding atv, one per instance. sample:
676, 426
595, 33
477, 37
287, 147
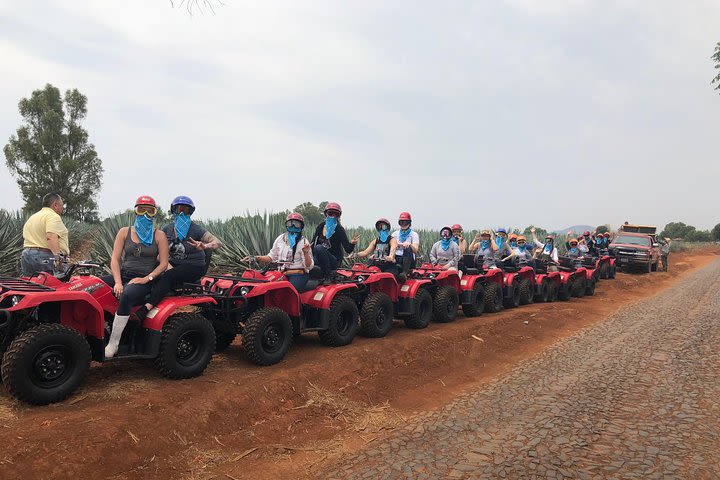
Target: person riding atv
520, 250
381, 250
458, 238
575, 252
485, 246
408, 245
330, 240
546, 251
445, 253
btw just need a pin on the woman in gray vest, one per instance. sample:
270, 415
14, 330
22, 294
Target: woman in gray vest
140, 255
189, 245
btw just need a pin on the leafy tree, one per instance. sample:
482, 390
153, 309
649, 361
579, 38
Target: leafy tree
602, 229
699, 236
716, 59
677, 230
50, 153
540, 232
313, 214
715, 232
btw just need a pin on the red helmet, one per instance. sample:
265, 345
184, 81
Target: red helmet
294, 216
333, 206
382, 220
586, 233
405, 216
457, 226
146, 200
549, 236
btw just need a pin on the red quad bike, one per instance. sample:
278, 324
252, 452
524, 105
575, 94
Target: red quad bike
566, 278
442, 285
547, 283
603, 263
585, 278
51, 328
518, 283
482, 288
265, 308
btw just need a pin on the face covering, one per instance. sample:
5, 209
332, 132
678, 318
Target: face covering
456, 239
573, 250
145, 229
522, 247
182, 225
384, 235
548, 248
293, 235
499, 241
485, 244
445, 244
404, 234
330, 224
513, 243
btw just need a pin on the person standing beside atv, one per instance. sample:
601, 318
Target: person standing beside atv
547, 251
457, 232
45, 239
330, 239
445, 253
408, 245
382, 249
485, 246
294, 248
188, 244
140, 255
664, 252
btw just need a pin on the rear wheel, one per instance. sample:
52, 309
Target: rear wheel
590, 287
423, 310
553, 287
186, 346
526, 291
445, 304
376, 316
493, 298
343, 322
477, 301
544, 292
565, 289
267, 336
513, 300
612, 271
46, 364
579, 287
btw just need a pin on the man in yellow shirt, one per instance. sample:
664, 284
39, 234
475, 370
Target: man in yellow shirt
45, 239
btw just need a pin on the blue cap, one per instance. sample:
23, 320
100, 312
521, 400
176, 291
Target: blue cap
501, 230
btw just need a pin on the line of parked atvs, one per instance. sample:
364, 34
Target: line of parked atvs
52, 328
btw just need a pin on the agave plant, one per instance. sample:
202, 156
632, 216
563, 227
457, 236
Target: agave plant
104, 238
11, 243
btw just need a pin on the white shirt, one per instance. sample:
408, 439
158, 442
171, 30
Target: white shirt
553, 254
412, 238
281, 251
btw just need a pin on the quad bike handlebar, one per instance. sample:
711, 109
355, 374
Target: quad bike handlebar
84, 265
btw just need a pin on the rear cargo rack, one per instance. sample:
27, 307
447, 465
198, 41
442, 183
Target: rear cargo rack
20, 285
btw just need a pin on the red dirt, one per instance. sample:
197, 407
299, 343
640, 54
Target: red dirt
242, 421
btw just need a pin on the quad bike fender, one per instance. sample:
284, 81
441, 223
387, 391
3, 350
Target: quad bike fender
78, 310
467, 283
279, 294
450, 278
386, 283
508, 278
323, 296
410, 288
157, 317
495, 275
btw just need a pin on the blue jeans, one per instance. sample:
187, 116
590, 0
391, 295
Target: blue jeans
299, 281
33, 262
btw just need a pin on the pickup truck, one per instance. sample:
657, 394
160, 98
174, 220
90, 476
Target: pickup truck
635, 250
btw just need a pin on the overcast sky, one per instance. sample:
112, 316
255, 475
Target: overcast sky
552, 112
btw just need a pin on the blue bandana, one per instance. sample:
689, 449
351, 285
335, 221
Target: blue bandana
145, 229
499, 241
404, 234
547, 249
182, 225
513, 243
456, 239
445, 244
522, 247
384, 235
485, 244
573, 250
330, 224
293, 235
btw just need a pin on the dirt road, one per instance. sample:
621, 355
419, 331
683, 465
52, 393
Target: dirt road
635, 396
300, 417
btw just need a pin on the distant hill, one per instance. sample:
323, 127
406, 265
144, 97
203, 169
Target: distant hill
576, 228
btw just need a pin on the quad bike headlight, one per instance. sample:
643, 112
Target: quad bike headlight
245, 290
360, 279
15, 299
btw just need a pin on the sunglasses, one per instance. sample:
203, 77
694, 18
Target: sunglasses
332, 213
294, 223
148, 210
404, 223
573, 244
521, 243
446, 235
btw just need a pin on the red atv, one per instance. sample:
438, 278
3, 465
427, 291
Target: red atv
441, 285
268, 311
482, 288
565, 279
583, 278
548, 284
518, 282
51, 328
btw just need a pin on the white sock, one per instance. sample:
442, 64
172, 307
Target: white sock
117, 330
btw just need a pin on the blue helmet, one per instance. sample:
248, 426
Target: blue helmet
501, 230
182, 200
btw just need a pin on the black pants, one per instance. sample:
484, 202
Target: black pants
132, 296
172, 278
324, 259
405, 262
387, 267
664, 259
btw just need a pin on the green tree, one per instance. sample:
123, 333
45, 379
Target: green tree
716, 59
313, 214
50, 153
602, 229
699, 236
715, 232
677, 230
540, 232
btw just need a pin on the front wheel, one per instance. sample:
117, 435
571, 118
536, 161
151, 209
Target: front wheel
526, 291
543, 295
513, 301
376, 315
445, 304
590, 287
342, 324
267, 336
422, 315
493, 298
46, 364
186, 346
